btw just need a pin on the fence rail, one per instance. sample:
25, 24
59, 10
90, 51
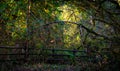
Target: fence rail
54, 49
11, 47
55, 57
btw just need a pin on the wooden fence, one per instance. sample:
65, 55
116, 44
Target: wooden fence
48, 55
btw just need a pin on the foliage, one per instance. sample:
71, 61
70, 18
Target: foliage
83, 22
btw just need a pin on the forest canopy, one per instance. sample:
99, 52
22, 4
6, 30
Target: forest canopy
74, 28
76, 20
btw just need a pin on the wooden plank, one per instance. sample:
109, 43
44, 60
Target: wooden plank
12, 60
51, 59
19, 54
10, 47
64, 50
81, 56
13, 54
58, 55
14, 47
67, 55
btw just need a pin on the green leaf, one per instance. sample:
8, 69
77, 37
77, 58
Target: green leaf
2, 7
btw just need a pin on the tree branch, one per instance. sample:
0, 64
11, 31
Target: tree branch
87, 29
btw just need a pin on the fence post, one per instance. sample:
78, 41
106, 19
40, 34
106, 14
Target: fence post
74, 52
53, 51
74, 55
25, 52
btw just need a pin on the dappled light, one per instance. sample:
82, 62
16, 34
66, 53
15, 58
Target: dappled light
59, 35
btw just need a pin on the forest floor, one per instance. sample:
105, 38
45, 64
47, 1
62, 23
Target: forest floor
50, 67
54, 67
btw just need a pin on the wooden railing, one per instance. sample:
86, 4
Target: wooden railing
59, 56
49, 54
9, 51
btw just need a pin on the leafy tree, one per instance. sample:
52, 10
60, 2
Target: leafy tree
61, 23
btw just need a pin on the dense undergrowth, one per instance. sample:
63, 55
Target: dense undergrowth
83, 66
